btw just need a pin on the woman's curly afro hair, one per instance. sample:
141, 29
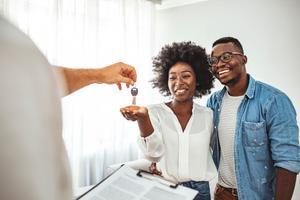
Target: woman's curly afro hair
186, 52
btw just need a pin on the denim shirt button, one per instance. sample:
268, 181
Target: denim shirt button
263, 180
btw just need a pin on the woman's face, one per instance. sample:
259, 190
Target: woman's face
182, 82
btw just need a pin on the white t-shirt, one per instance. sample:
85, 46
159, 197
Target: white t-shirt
227, 126
181, 155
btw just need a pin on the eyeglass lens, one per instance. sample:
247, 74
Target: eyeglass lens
225, 57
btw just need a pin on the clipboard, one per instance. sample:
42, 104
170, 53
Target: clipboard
136, 184
153, 177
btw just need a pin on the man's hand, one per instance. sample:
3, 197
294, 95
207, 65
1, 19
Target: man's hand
119, 73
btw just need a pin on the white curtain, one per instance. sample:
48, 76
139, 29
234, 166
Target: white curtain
89, 33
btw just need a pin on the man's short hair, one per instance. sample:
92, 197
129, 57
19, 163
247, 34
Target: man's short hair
233, 40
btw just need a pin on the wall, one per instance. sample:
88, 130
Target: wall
268, 29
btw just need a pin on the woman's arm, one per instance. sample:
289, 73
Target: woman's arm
139, 114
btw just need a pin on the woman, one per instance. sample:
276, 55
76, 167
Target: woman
176, 134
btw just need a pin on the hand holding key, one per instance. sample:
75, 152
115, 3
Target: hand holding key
134, 92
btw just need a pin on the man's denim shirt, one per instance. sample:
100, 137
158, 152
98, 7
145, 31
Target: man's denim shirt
267, 136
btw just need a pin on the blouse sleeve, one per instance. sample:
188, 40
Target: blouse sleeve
152, 146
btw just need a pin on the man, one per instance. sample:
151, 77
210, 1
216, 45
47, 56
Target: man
33, 161
256, 137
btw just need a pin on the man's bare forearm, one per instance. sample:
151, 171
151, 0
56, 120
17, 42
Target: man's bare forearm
285, 184
78, 78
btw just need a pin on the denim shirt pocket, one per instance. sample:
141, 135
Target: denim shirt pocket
255, 138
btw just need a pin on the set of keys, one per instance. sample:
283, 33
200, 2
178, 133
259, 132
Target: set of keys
134, 92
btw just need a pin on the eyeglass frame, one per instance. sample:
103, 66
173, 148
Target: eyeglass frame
220, 57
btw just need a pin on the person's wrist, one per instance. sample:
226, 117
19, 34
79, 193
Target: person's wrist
144, 115
142, 118
101, 75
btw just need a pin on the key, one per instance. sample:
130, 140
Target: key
134, 92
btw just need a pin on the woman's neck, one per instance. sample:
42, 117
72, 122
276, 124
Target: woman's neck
181, 108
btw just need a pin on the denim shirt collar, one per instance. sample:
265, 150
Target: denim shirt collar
251, 87
249, 92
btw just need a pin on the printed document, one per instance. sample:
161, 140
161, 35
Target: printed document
125, 184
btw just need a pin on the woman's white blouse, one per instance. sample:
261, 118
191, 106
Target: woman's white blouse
180, 155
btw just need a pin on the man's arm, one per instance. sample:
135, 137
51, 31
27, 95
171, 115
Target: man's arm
76, 79
283, 133
285, 184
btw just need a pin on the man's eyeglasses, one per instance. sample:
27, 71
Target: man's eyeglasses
225, 58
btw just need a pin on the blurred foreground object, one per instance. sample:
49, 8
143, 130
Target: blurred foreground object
34, 164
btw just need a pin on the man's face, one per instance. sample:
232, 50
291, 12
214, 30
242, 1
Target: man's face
229, 70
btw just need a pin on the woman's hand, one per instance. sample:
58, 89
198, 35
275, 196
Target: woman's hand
134, 113
154, 170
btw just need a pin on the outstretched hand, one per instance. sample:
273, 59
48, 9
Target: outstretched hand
119, 73
134, 113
